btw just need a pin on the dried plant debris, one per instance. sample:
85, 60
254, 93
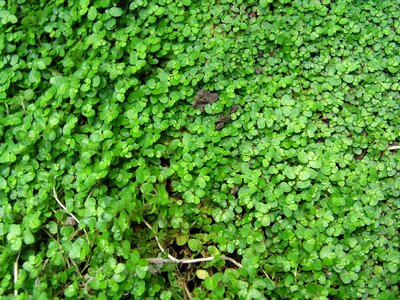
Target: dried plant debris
223, 120
203, 98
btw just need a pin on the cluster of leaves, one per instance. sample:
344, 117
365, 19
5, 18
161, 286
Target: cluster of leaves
98, 134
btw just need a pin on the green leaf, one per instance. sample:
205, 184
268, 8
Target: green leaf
34, 76
211, 283
290, 172
102, 3
15, 230
270, 285
115, 11
345, 277
142, 174
386, 295
3, 183
119, 268
79, 249
28, 237
264, 3
16, 243
182, 239
260, 247
71, 290
261, 207
195, 245
202, 274
142, 269
92, 13
309, 246
303, 184
305, 174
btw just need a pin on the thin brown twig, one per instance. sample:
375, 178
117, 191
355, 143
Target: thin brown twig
188, 293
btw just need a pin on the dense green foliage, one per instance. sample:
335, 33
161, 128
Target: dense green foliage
292, 171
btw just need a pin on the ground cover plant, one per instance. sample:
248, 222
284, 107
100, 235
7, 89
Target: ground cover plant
199, 149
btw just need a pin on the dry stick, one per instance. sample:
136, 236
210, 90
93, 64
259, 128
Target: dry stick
63, 207
15, 277
239, 265
266, 274
171, 259
158, 243
179, 261
71, 214
393, 148
16, 274
91, 192
188, 293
